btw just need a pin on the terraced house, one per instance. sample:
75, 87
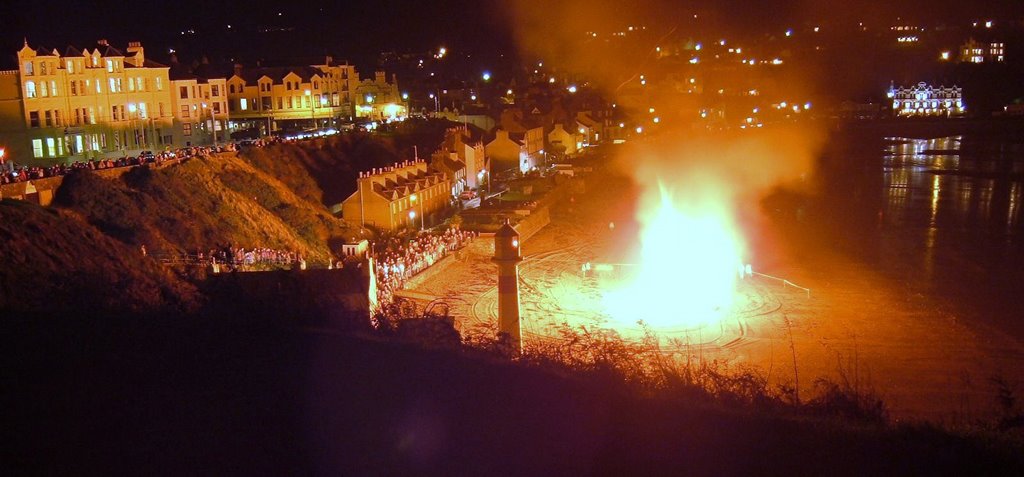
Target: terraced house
268, 99
90, 103
408, 195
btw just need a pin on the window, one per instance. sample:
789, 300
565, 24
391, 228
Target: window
243, 104
131, 85
288, 85
159, 83
186, 129
280, 103
53, 88
99, 86
113, 85
161, 109
140, 84
214, 90
56, 118
70, 66
216, 108
30, 88
316, 85
78, 116
119, 87
92, 115
43, 91
74, 89
29, 71
37, 148
42, 67
110, 66
183, 92
184, 110
231, 88
113, 113
33, 119
143, 111
51, 147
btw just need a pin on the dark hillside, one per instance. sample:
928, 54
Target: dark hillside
199, 205
55, 261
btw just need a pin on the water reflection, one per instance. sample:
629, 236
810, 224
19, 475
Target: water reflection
935, 184
950, 222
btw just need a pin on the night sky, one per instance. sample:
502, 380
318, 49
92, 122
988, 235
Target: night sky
359, 30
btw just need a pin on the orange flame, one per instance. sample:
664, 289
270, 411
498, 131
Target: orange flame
690, 251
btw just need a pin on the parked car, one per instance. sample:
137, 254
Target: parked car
467, 194
146, 156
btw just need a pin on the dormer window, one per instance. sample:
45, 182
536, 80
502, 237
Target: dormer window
29, 70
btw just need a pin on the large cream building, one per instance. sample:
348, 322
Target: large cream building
293, 97
99, 102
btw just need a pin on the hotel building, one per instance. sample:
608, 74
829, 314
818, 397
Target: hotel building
82, 104
925, 100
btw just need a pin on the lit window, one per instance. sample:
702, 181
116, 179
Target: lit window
53, 88
51, 147
43, 91
70, 66
37, 148
29, 70
30, 89
159, 84
243, 104
113, 85
110, 66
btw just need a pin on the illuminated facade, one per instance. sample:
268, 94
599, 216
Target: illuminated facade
978, 52
84, 104
925, 100
379, 100
273, 98
200, 108
406, 195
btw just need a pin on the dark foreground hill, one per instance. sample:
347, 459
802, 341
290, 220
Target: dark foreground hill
248, 397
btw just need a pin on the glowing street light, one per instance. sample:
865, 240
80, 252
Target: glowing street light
405, 95
486, 76
572, 89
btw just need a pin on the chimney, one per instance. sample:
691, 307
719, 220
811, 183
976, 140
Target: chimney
135, 49
103, 42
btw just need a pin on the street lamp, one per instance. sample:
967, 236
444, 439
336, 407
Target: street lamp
312, 114
412, 213
213, 124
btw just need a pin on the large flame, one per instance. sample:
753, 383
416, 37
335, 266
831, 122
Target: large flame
690, 253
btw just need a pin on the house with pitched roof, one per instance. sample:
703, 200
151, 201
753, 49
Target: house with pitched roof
291, 97
407, 195
84, 103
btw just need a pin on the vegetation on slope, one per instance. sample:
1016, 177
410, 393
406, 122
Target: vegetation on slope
56, 262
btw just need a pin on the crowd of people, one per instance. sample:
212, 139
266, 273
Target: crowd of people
229, 258
397, 260
11, 172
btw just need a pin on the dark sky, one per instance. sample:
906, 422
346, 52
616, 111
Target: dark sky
358, 30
